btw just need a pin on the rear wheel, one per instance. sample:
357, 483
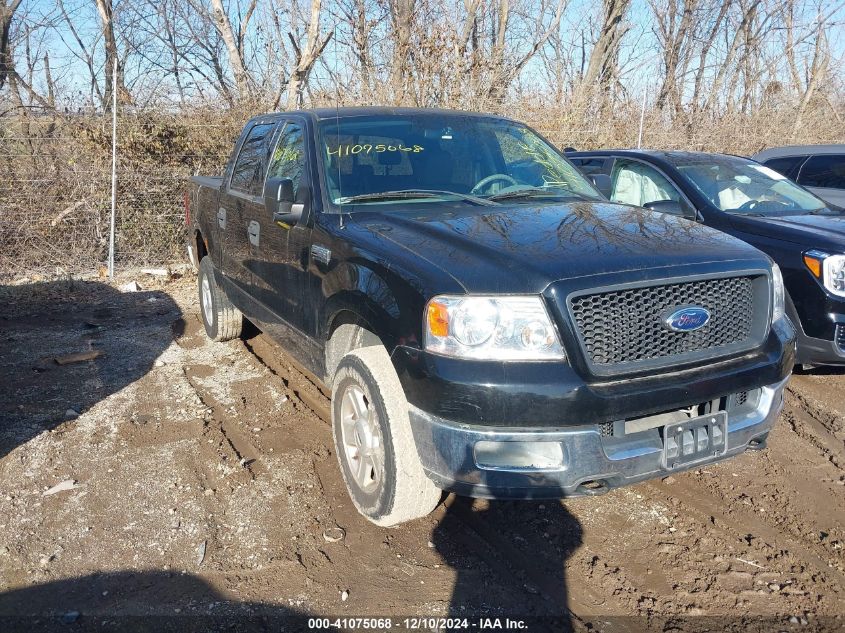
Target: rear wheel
373, 441
222, 320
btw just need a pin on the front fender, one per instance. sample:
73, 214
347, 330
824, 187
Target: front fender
371, 297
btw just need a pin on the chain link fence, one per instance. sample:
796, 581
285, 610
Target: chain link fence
55, 187
55, 171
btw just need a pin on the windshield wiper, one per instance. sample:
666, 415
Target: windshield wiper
530, 193
407, 194
825, 211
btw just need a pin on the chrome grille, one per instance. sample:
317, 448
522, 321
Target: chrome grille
840, 336
626, 326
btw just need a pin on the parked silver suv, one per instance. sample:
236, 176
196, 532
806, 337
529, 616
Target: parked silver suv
819, 168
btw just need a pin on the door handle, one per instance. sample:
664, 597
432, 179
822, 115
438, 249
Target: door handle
221, 218
253, 230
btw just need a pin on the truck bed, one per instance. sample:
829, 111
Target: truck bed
212, 182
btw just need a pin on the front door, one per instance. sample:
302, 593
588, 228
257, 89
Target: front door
634, 182
282, 280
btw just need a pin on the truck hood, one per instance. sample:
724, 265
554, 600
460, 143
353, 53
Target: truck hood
522, 249
818, 231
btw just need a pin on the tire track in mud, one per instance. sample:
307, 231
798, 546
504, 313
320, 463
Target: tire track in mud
819, 426
305, 390
780, 527
746, 528
230, 445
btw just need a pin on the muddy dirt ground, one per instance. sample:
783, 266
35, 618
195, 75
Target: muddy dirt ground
200, 482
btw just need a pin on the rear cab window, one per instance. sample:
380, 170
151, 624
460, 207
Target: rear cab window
248, 171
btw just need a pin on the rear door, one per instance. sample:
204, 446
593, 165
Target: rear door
240, 205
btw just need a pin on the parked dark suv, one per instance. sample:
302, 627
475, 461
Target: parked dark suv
804, 235
487, 323
819, 168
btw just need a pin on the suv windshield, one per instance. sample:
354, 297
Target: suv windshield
741, 186
423, 158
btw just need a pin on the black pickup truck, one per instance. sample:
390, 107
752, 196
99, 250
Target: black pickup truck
486, 321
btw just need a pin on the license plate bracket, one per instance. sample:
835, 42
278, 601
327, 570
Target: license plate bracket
694, 440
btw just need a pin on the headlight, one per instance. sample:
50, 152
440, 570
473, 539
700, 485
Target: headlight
778, 294
491, 328
829, 269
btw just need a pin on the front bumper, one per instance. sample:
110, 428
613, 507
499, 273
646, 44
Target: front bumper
819, 320
821, 351
591, 463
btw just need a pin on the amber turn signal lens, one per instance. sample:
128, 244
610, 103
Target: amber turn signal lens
814, 265
438, 319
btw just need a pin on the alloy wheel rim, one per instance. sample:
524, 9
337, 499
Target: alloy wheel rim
206, 301
363, 447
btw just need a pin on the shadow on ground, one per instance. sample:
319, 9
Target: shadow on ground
45, 321
526, 551
143, 601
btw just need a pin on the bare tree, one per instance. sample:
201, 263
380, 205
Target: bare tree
402, 23
817, 71
235, 43
602, 69
7, 12
105, 11
675, 27
714, 28
306, 56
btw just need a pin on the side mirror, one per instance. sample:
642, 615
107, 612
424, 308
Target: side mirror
667, 206
602, 183
279, 200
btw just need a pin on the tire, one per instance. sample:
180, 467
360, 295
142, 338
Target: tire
387, 485
222, 320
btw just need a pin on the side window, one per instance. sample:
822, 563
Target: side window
589, 166
824, 170
247, 173
785, 164
288, 159
639, 184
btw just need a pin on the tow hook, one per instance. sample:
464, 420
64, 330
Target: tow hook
757, 444
593, 488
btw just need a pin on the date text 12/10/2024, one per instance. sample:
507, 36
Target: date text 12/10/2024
418, 624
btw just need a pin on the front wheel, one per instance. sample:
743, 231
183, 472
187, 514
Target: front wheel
374, 443
222, 320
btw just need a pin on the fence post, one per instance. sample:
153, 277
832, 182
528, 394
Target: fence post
642, 119
113, 167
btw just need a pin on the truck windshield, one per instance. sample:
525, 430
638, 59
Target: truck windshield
424, 158
741, 186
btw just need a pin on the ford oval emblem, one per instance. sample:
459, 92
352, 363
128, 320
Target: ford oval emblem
687, 319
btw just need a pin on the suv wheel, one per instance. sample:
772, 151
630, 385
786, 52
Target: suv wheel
373, 441
222, 320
